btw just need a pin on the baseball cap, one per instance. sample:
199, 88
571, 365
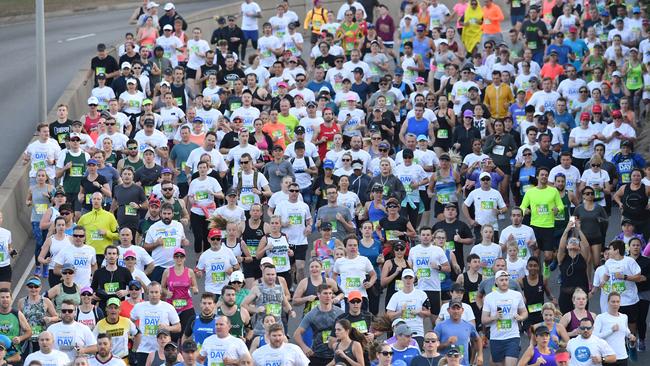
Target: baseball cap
179, 251
189, 346
357, 165
626, 221
129, 254
163, 331
312, 104
76, 135
167, 27
419, 80
627, 143
282, 84
164, 83
147, 101
33, 281
135, 283
91, 162
585, 116
152, 4
473, 88
468, 113
324, 89
562, 357
457, 287
231, 192
399, 71
573, 29
213, 233
597, 109
86, 289
68, 267
408, 272
148, 148
356, 294
617, 114
131, 81
444, 156
384, 145
403, 330
484, 174
542, 329
604, 13
397, 321
153, 201
616, 74
423, 138
113, 301
326, 226
125, 65
455, 302
237, 276
452, 351
328, 164
377, 188
358, 70
169, 6
421, 27
636, 10
501, 274
93, 100
166, 171
59, 192
266, 260
101, 75
299, 129
149, 122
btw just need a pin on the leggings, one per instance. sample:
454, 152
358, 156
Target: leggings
641, 320
200, 229
39, 239
185, 316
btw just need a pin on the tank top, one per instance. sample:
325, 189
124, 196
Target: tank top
236, 249
311, 290
328, 133
574, 323
574, 273
179, 94
202, 329
179, 286
67, 293
149, 37
73, 176
176, 209
57, 245
237, 329
471, 288
550, 358
348, 352
279, 253
137, 165
422, 48
443, 135
634, 203
445, 187
634, 79
271, 298
324, 253
157, 360
405, 36
551, 344
409, 75
89, 318
40, 202
534, 295
396, 284
91, 123
181, 56
34, 313
446, 278
418, 127
262, 341
252, 236
10, 324
374, 214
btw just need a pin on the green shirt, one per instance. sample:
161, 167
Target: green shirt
541, 203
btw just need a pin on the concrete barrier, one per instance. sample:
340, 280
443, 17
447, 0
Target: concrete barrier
15, 187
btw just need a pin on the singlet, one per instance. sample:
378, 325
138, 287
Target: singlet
396, 284
311, 290
179, 286
137, 165
422, 48
156, 359
552, 345
148, 37
40, 202
279, 253
90, 123
445, 187
202, 330
176, 209
534, 295
634, 203
238, 328
179, 94
445, 278
271, 298
328, 133
374, 214
574, 323
252, 237
10, 324
444, 132
405, 36
634, 78
262, 341
67, 293
34, 313
471, 288
324, 253
418, 127
550, 358
348, 352
57, 245
574, 273
236, 249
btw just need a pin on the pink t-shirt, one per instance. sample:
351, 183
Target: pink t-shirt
459, 9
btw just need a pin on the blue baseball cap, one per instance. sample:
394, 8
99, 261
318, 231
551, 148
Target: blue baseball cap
92, 162
604, 13
328, 164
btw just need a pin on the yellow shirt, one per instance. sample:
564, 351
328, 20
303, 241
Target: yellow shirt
119, 332
498, 100
96, 220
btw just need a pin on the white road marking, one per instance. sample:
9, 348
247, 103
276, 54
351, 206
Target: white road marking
79, 37
21, 281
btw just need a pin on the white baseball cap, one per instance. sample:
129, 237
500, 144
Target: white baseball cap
93, 100
484, 174
126, 65
152, 4
168, 27
169, 6
237, 276
501, 274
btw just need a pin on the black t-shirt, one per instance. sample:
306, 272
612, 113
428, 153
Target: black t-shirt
107, 283
325, 61
387, 119
230, 140
148, 177
225, 76
451, 229
209, 70
533, 40
124, 195
60, 131
362, 89
89, 189
388, 226
129, 59
107, 65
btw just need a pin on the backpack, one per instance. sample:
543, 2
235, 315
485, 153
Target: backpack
306, 161
240, 182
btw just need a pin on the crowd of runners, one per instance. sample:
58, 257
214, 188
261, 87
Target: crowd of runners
354, 187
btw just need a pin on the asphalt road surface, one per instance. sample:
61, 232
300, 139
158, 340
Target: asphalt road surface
70, 44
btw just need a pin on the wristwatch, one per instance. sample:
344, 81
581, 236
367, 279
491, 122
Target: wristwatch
625, 277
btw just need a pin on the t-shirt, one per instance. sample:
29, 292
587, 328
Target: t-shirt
352, 273
627, 289
510, 302
590, 178
296, 215
215, 349
249, 23
423, 258
541, 203
203, 192
287, 354
149, 317
580, 136
603, 328
215, 264
572, 176
54, 358
82, 258
40, 153
582, 350
488, 254
522, 235
468, 313
410, 305
67, 336
321, 324
485, 202
119, 333
464, 330
172, 236
246, 195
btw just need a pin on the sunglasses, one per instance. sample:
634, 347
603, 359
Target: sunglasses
129, 258
179, 256
86, 294
400, 249
585, 328
236, 282
294, 190
345, 160
355, 301
67, 272
595, 165
528, 154
132, 148
588, 193
376, 138
65, 213
383, 150
486, 179
79, 235
168, 189
67, 311
244, 162
215, 238
110, 124
392, 206
33, 286
134, 289
430, 340
387, 353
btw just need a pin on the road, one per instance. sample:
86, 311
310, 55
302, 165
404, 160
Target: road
70, 43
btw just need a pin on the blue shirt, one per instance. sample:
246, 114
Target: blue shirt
579, 48
406, 354
562, 53
463, 330
567, 118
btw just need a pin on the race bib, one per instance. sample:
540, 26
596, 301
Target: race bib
499, 150
295, 219
487, 205
179, 303
399, 285
533, 308
542, 209
218, 277
41, 208
279, 261
423, 272
38, 165
130, 211
450, 245
273, 309
96, 235
472, 296
201, 195
111, 287
361, 326
619, 286
353, 282
169, 242
504, 324
76, 171
248, 199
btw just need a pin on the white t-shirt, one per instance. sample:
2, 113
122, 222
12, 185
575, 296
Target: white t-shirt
582, 350
616, 340
236, 152
246, 196
215, 349
605, 289
40, 153
570, 89
614, 145
516, 269
169, 116
408, 175
67, 336
247, 114
54, 358
484, 204
510, 302
572, 176
350, 200
266, 47
589, 177
352, 273
409, 305
522, 235
296, 214
103, 95
488, 254
132, 102
82, 258
169, 45
543, 99
286, 355
460, 91
194, 47
627, 289
425, 261
142, 257
468, 313
215, 264
114, 361
5, 241
236, 214
279, 197
118, 139
195, 157
172, 236
203, 192
150, 317
581, 136
249, 23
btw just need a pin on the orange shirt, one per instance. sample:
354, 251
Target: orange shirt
197, 139
492, 18
551, 71
277, 131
